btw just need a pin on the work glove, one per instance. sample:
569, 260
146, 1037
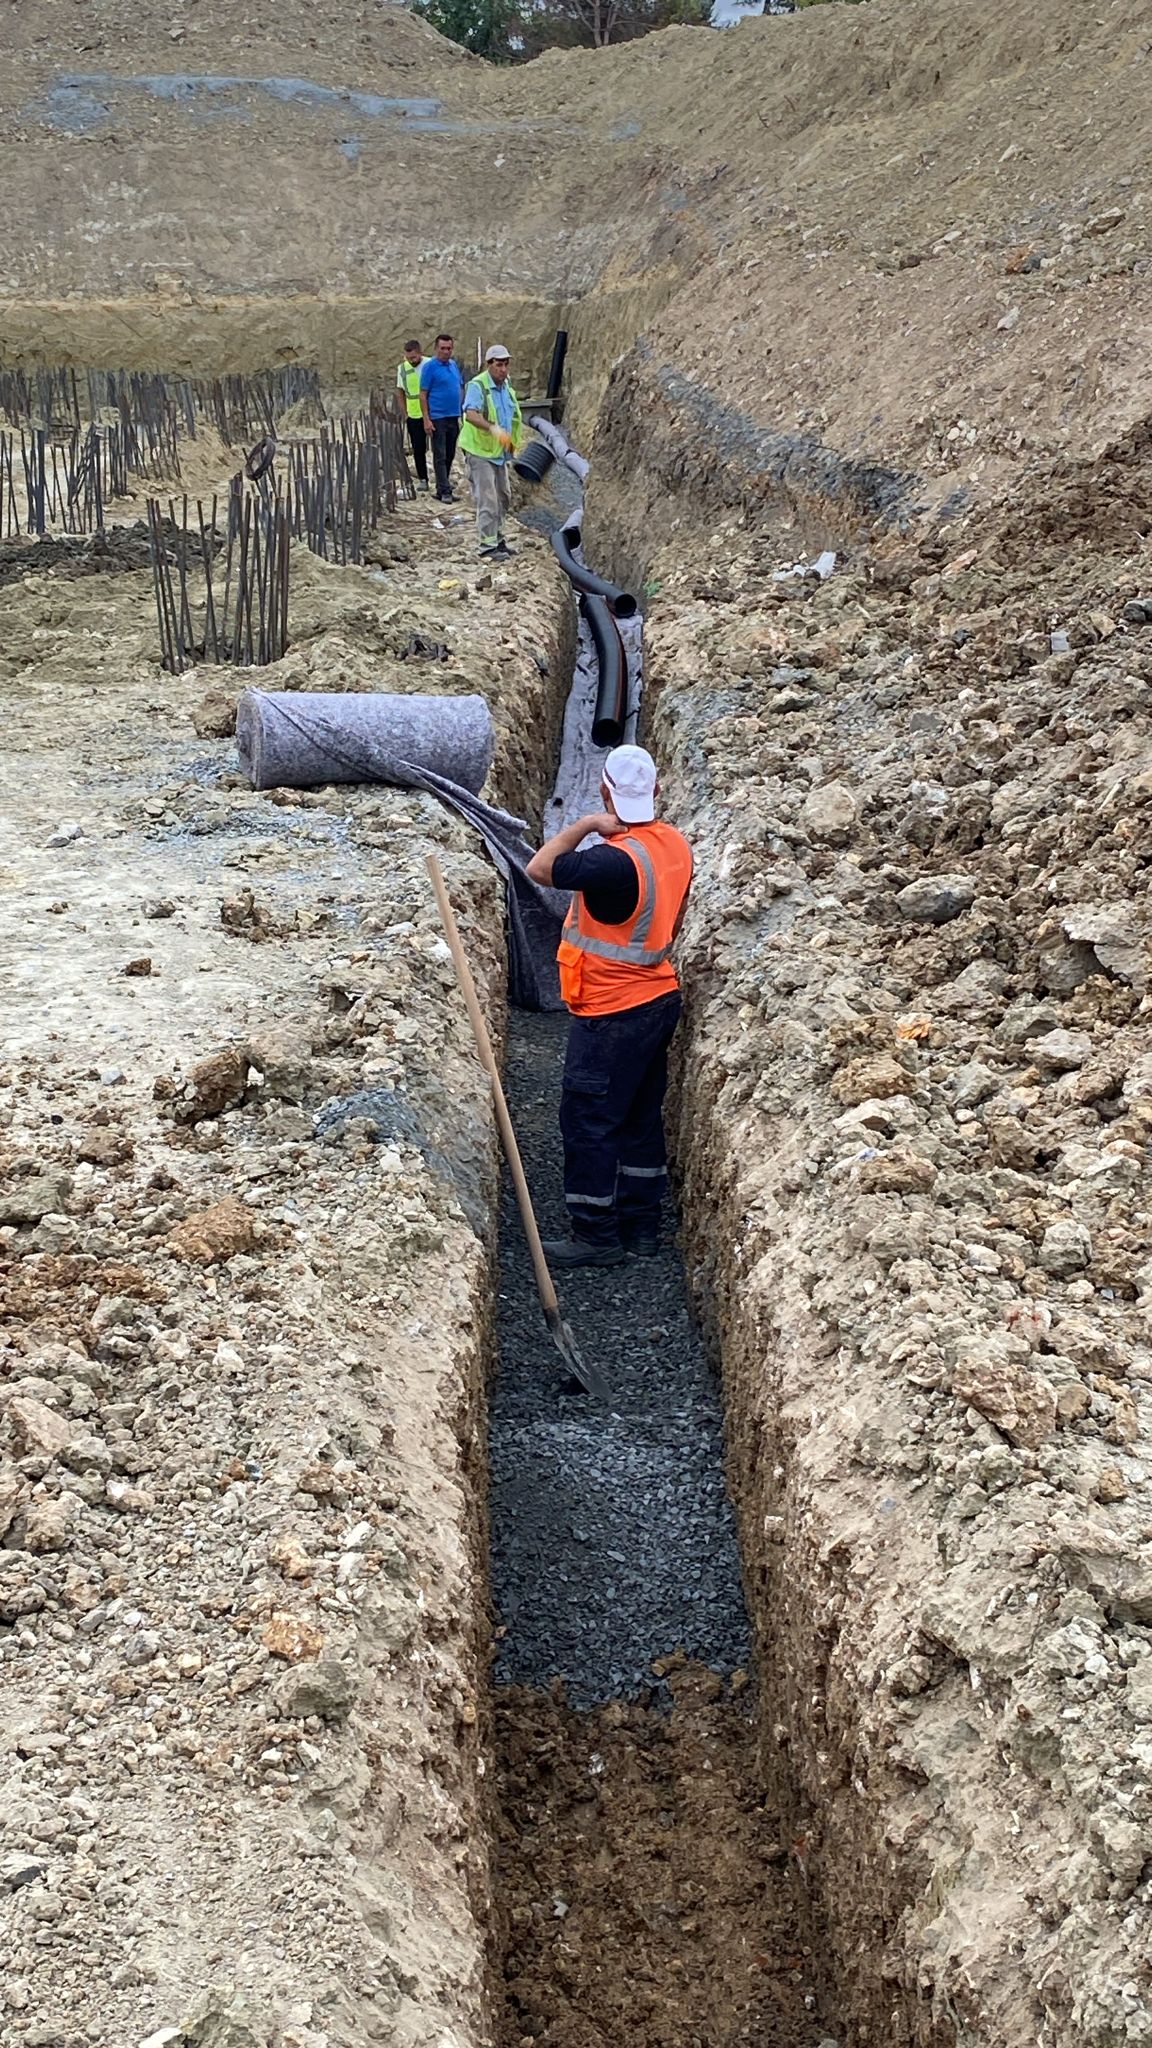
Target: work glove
504, 439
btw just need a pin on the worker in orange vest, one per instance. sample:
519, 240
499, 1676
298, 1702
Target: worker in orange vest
618, 981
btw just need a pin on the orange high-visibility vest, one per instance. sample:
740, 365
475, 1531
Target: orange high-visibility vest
607, 967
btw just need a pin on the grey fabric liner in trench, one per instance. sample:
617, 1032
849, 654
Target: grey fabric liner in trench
355, 754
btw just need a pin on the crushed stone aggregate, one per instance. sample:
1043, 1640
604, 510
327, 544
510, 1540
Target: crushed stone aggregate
613, 1542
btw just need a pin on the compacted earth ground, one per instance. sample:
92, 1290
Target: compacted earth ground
644, 1889
870, 282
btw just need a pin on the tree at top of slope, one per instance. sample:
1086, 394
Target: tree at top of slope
509, 31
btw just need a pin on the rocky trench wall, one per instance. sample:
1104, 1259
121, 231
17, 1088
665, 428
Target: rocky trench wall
915, 1096
673, 460
247, 1168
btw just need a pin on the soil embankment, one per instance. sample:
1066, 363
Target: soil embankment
244, 1329
914, 1135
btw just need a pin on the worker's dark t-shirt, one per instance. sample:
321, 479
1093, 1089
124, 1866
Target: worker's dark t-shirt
605, 877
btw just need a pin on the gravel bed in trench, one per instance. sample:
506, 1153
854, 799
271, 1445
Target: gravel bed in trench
613, 1541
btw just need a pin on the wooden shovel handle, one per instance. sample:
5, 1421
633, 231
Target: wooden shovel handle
544, 1284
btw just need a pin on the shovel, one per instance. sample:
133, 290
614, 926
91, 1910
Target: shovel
562, 1336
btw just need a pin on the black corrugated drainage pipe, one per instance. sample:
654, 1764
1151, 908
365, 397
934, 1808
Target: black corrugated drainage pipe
534, 461
622, 602
612, 687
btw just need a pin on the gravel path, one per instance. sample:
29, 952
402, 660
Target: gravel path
612, 1535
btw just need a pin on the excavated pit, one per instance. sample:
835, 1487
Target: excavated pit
644, 1884
643, 1879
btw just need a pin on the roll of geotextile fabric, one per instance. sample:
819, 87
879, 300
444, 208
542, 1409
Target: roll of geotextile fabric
289, 739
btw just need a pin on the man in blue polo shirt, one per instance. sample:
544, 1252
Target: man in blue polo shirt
441, 401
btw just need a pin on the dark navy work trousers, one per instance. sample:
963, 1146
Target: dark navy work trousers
444, 433
615, 1074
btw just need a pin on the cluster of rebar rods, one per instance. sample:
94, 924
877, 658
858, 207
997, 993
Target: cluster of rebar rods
339, 484
45, 483
247, 621
241, 406
76, 444
329, 493
62, 401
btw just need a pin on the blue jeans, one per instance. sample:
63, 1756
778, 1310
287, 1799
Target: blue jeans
615, 1164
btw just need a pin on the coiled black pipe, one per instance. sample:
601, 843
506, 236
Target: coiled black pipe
612, 687
585, 580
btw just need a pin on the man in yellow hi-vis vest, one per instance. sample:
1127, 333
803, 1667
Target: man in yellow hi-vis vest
492, 432
408, 403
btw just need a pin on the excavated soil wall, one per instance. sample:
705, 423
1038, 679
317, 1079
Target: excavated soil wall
346, 339
919, 1237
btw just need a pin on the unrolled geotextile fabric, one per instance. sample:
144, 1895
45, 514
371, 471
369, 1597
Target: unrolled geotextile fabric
294, 740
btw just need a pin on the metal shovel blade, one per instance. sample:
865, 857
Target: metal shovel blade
565, 1343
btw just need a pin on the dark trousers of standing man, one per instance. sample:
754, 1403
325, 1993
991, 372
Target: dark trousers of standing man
418, 442
444, 434
615, 1165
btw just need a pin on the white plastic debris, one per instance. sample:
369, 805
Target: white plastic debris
822, 566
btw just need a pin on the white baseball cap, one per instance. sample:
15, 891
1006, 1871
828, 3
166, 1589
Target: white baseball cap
630, 773
497, 353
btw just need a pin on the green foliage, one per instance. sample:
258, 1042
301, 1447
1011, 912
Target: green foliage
490, 28
508, 31
591, 24
687, 14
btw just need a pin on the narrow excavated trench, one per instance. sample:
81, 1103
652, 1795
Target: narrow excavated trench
872, 279
728, 1776
645, 1886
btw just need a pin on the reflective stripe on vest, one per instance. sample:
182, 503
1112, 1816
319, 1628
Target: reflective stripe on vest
608, 968
405, 373
473, 441
635, 953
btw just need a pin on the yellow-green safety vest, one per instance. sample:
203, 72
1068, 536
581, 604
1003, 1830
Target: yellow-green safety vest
408, 376
474, 440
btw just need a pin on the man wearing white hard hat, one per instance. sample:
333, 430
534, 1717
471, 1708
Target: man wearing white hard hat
629, 895
490, 436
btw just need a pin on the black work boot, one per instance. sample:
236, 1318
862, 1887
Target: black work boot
641, 1244
567, 1252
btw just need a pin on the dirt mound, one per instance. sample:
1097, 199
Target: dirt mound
387, 40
